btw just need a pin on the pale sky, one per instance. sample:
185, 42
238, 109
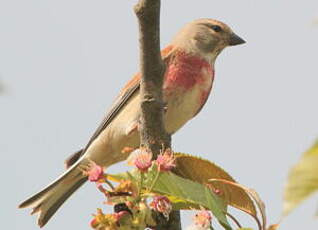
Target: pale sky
63, 62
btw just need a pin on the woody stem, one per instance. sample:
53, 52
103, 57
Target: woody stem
152, 133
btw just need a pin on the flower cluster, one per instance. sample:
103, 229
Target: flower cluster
142, 159
132, 215
133, 199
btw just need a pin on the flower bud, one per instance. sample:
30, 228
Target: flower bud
93, 171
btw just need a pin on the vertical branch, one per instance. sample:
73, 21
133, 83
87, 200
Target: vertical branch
152, 133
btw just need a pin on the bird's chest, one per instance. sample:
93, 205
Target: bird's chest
187, 86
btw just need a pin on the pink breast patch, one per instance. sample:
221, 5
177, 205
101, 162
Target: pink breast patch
185, 71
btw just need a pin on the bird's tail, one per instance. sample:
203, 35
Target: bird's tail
47, 201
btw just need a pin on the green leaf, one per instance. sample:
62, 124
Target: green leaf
191, 193
302, 180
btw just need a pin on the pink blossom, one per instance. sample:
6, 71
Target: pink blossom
141, 158
166, 161
93, 171
202, 219
161, 204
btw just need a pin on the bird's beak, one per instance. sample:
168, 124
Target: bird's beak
235, 40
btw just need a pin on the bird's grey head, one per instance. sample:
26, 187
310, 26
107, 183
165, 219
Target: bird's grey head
207, 37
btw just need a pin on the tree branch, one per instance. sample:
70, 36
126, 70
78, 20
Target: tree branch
152, 133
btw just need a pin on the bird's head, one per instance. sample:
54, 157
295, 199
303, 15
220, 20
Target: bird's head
207, 37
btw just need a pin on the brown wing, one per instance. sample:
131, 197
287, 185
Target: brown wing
131, 88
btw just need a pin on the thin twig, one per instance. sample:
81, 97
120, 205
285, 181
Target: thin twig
234, 220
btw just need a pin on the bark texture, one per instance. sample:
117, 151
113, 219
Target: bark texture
152, 133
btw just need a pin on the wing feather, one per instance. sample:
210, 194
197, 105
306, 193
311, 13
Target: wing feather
129, 90
115, 109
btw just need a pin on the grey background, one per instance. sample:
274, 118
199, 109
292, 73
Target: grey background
63, 62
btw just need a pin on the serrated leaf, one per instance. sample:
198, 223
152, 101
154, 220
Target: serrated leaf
200, 170
302, 180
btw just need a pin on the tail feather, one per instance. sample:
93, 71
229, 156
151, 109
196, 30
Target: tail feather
46, 216
47, 201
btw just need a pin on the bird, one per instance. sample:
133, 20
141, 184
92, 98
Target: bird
187, 83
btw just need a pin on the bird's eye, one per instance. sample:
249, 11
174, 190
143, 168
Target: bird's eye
216, 28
